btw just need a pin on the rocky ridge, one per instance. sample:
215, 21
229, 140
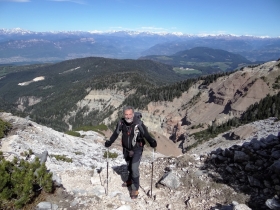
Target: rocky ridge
201, 179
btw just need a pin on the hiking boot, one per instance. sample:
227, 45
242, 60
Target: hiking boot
127, 184
273, 203
134, 194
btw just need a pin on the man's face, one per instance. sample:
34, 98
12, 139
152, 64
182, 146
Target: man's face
128, 115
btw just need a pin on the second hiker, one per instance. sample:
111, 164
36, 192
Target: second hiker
133, 134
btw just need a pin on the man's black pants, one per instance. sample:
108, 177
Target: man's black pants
133, 167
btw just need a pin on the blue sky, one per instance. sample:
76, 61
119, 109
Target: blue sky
238, 17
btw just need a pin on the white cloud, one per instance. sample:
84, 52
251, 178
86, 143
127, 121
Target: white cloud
73, 1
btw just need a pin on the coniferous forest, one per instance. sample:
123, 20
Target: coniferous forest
68, 82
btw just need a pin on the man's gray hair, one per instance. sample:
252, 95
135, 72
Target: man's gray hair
128, 108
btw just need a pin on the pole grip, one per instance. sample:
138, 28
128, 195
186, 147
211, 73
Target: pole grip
107, 154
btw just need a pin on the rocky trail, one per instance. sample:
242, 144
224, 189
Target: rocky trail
184, 182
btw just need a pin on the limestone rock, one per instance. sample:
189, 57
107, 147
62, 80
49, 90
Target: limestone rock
170, 180
46, 206
241, 207
124, 207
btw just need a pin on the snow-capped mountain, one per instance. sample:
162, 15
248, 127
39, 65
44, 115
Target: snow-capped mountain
19, 31
24, 46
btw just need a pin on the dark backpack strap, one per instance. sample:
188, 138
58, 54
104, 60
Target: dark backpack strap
119, 126
140, 127
140, 139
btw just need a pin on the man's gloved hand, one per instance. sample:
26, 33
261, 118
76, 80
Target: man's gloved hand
107, 144
153, 144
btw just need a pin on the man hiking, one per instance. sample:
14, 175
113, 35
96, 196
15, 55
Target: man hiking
133, 134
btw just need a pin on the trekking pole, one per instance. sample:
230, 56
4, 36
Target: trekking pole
152, 173
107, 170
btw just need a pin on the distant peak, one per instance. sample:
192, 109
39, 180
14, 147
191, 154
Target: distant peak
129, 32
15, 31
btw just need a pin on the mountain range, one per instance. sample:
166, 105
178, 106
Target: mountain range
203, 59
24, 47
198, 116
229, 170
91, 91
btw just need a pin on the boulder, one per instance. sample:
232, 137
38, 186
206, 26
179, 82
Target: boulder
43, 157
275, 167
276, 154
124, 207
46, 206
240, 157
241, 207
170, 180
257, 145
254, 182
56, 179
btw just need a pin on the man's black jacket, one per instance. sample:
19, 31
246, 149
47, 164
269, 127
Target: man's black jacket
127, 130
